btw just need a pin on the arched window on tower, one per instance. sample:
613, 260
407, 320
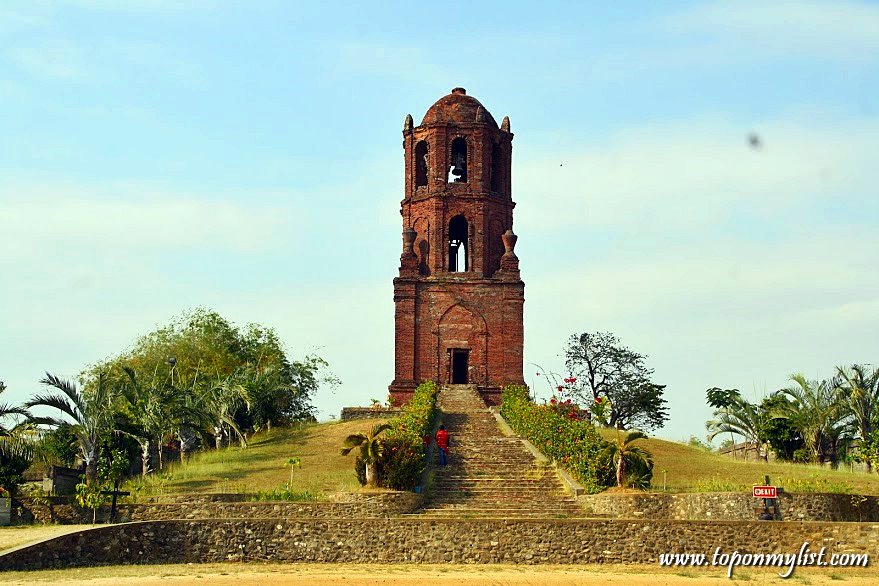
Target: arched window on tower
422, 163
458, 169
458, 245
496, 167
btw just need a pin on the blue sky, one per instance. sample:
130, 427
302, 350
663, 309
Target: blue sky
156, 156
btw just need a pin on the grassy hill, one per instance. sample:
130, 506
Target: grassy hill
262, 465
692, 469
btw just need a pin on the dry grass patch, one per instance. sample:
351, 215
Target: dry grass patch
262, 465
691, 469
22, 534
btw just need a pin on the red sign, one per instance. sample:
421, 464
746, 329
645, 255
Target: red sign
765, 492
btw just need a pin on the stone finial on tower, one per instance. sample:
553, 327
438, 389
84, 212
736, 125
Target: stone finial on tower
408, 240
408, 260
509, 261
407, 123
505, 124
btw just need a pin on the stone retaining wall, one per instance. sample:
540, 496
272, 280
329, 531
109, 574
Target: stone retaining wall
352, 413
416, 540
60, 510
731, 506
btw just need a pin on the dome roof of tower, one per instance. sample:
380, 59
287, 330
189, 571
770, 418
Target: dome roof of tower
458, 108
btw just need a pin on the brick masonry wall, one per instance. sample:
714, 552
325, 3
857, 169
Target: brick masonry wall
731, 506
479, 310
431, 541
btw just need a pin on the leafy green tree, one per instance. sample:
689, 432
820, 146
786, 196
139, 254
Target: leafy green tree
90, 496
222, 379
858, 386
60, 446
625, 455
814, 408
602, 368
779, 432
91, 416
371, 449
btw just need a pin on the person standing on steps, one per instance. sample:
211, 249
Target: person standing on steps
442, 444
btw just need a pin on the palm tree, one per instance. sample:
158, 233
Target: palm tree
92, 414
370, 450
155, 410
814, 408
737, 416
623, 453
722, 399
859, 390
222, 401
13, 442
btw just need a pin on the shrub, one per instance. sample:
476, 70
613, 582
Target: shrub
399, 467
401, 463
572, 443
12, 466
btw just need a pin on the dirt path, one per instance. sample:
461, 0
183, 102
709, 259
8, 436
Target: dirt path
401, 575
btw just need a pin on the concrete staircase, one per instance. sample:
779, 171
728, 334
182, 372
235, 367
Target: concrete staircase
490, 474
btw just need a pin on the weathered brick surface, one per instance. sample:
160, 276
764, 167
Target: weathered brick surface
480, 309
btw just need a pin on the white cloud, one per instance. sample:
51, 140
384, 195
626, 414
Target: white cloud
46, 218
682, 175
823, 29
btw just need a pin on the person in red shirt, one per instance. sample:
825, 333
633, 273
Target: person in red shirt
442, 443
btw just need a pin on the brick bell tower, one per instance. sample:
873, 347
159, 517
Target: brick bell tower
458, 296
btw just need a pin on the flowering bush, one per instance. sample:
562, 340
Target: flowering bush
600, 410
568, 409
572, 443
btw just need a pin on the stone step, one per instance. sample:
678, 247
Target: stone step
489, 474
501, 513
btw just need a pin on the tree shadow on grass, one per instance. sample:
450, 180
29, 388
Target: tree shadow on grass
191, 485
